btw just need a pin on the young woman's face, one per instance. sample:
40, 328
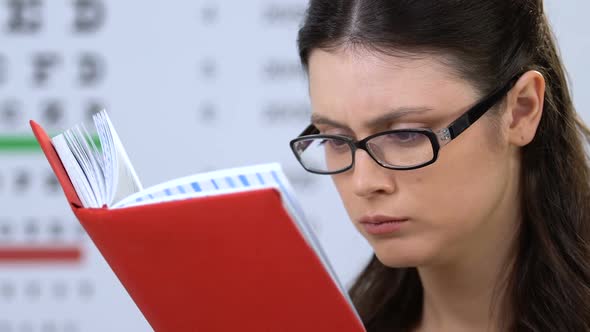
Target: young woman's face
458, 207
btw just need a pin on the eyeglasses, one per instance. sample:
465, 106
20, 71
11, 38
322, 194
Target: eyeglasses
400, 149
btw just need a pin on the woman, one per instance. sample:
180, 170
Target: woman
450, 134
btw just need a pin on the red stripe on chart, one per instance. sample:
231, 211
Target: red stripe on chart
40, 254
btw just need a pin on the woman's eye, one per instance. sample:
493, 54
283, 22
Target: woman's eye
404, 136
335, 144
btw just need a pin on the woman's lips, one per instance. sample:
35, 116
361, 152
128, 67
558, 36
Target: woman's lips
379, 224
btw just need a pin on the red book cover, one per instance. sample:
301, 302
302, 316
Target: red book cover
233, 262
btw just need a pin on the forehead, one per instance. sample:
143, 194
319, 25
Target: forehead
350, 84
360, 62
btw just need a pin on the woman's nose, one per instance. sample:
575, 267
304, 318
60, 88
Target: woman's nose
369, 178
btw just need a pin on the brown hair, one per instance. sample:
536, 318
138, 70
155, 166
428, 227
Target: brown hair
548, 288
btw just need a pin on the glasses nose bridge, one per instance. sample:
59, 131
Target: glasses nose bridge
362, 145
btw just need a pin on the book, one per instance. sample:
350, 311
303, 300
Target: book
227, 250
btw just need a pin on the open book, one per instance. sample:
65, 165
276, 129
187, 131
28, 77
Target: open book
103, 175
136, 229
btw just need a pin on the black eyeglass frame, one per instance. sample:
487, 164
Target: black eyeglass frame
437, 139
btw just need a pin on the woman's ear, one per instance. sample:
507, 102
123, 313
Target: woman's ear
525, 107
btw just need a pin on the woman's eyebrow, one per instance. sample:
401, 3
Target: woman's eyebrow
393, 115
317, 119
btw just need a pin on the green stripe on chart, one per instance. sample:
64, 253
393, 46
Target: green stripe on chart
25, 143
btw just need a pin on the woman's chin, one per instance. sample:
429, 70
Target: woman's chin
394, 261
400, 258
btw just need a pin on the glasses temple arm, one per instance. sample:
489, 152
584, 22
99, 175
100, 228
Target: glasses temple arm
463, 122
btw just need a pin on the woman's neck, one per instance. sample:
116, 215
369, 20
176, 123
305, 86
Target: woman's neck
472, 300
470, 294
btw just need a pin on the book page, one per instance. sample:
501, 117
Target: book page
79, 157
205, 184
121, 175
78, 141
74, 170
